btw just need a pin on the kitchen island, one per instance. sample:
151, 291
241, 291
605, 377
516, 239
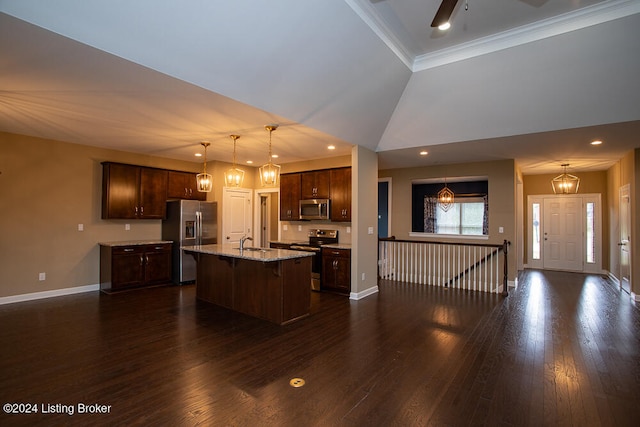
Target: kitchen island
271, 284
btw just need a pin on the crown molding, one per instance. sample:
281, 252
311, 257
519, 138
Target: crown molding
581, 18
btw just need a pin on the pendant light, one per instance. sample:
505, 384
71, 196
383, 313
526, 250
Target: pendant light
565, 183
234, 177
269, 172
445, 197
204, 181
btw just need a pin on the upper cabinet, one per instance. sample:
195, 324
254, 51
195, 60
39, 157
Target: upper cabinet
182, 185
341, 194
289, 197
315, 184
333, 184
133, 192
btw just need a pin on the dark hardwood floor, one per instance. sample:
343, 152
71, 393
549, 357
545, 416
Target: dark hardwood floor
562, 349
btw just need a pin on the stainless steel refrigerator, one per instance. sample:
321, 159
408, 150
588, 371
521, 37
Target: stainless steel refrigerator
189, 222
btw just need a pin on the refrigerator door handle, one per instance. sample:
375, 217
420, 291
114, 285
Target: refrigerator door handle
198, 232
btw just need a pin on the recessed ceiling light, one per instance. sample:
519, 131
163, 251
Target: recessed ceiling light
249, 162
596, 142
331, 147
198, 154
274, 156
444, 27
424, 153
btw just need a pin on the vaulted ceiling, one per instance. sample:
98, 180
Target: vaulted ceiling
532, 80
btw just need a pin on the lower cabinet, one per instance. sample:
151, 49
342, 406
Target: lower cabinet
336, 270
130, 266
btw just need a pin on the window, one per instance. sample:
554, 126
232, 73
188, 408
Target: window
535, 214
468, 216
590, 232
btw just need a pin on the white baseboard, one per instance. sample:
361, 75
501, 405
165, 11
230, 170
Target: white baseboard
49, 294
359, 295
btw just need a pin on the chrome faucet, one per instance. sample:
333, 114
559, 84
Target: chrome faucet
244, 239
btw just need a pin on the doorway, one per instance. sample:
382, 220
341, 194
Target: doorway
266, 216
564, 233
384, 211
236, 214
625, 238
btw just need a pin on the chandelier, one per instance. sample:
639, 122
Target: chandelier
234, 177
565, 183
203, 180
445, 197
269, 172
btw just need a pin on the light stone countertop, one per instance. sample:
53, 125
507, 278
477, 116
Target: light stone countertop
262, 254
337, 246
134, 242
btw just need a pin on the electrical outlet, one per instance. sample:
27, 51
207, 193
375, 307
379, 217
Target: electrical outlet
299, 228
370, 230
500, 230
285, 227
42, 276
80, 227
348, 230
127, 227
363, 276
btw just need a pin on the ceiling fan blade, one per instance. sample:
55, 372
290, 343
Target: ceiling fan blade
444, 12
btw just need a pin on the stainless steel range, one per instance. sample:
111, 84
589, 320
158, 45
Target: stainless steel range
317, 238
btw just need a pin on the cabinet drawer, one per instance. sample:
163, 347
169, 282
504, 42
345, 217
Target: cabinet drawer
127, 250
161, 247
333, 252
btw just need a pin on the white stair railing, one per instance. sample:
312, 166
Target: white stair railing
468, 266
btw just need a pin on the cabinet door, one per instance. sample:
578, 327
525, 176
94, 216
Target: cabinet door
290, 197
157, 264
341, 194
336, 270
177, 185
127, 267
315, 184
153, 193
120, 185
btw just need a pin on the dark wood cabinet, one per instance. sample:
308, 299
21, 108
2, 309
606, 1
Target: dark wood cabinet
290, 197
336, 270
182, 185
133, 266
276, 291
315, 184
279, 245
133, 192
341, 194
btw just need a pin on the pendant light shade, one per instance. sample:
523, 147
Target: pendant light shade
204, 182
234, 177
270, 172
445, 198
565, 183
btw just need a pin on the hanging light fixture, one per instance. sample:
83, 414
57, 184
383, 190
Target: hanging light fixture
269, 172
445, 197
565, 183
233, 177
203, 180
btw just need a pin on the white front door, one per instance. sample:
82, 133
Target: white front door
563, 237
625, 238
236, 214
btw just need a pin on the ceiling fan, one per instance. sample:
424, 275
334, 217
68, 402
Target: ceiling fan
444, 13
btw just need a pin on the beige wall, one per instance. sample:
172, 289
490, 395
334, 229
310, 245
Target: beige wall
590, 183
622, 173
501, 176
47, 188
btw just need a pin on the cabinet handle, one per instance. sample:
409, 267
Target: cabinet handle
128, 250
141, 210
136, 210
141, 260
335, 264
158, 247
146, 259
190, 192
335, 252
186, 191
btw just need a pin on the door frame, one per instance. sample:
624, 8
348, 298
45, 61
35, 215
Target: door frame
624, 191
256, 212
596, 198
389, 182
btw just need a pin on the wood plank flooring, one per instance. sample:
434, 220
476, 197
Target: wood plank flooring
562, 349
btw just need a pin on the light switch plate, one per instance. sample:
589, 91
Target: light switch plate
370, 230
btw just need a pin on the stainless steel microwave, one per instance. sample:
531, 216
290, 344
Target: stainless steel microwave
314, 209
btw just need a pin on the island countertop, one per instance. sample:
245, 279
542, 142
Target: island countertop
249, 253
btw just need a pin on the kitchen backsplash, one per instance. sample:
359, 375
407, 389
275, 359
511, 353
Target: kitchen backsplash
298, 231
